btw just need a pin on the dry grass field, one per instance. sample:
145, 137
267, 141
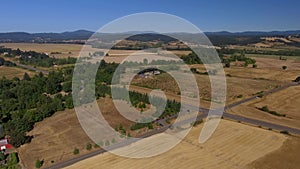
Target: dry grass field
73, 50
64, 50
247, 81
284, 102
233, 145
285, 157
55, 138
11, 72
235, 85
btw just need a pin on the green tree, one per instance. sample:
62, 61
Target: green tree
67, 86
2, 156
284, 67
39, 163
76, 151
89, 146
145, 61
227, 64
26, 77
107, 143
14, 158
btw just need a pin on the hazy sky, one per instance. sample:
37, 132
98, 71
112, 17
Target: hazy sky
208, 15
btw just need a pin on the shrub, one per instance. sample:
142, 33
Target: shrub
107, 143
240, 96
39, 163
284, 67
2, 156
284, 132
265, 109
100, 143
76, 151
89, 146
197, 122
254, 65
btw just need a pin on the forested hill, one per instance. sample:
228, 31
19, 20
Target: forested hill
80, 36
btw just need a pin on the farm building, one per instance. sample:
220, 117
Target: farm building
4, 144
149, 72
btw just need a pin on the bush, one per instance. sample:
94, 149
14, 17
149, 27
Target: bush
100, 143
284, 132
76, 151
39, 163
240, 96
254, 65
265, 109
2, 156
227, 64
107, 143
14, 158
89, 146
197, 122
284, 67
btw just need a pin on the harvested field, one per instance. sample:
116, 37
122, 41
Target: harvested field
284, 102
285, 157
275, 63
73, 50
233, 145
61, 50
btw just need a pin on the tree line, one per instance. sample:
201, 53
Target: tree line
26, 101
35, 58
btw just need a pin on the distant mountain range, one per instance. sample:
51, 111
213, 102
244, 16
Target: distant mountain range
80, 36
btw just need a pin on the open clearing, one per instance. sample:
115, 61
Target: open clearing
284, 102
11, 72
233, 145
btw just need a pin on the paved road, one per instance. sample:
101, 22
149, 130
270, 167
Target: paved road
204, 114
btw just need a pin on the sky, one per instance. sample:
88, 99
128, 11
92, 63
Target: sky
209, 15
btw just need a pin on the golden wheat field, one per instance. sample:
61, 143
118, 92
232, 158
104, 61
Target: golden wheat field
233, 145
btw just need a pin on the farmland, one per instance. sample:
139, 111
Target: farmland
11, 72
55, 138
283, 102
233, 145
